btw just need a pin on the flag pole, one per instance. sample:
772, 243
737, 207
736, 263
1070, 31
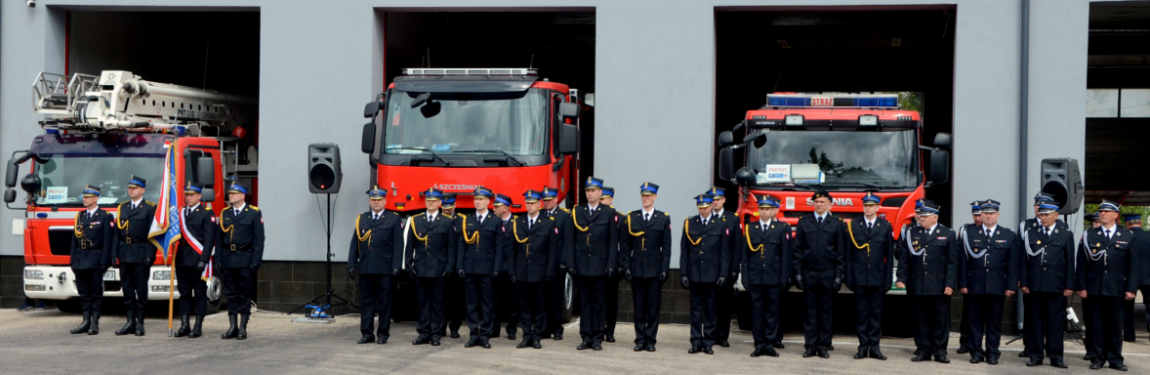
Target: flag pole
171, 288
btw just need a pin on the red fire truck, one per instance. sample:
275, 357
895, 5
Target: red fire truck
102, 129
845, 143
458, 128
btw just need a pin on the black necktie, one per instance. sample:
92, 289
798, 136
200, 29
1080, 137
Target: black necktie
987, 233
820, 220
530, 223
869, 225
1107, 233
646, 217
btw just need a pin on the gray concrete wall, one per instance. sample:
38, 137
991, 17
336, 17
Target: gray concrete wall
320, 61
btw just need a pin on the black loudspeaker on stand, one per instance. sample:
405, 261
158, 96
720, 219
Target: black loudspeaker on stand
324, 177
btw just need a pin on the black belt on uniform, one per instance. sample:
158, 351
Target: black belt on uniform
133, 240
86, 244
235, 247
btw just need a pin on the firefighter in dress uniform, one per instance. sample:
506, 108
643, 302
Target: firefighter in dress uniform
456, 305
820, 247
241, 251
964, 324
1107, 276
430, 249
870, 273
555, 304
988, 274
590, 255
135, 253
506, 301
1039, 199
192, 257
478, 259
928, 260
703, 262
375, 256
766, 245
725, 295
612, 286
1047, 278
535, 257
646, 259
91, 256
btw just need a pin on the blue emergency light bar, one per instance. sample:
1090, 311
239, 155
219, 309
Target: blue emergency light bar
815, 100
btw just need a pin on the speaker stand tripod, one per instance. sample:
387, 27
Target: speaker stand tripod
322, 313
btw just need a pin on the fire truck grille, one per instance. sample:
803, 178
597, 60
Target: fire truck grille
60, 242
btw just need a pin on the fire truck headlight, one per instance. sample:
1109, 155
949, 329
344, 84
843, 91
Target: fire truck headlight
162, 275
33, 275
868, 120
794, 120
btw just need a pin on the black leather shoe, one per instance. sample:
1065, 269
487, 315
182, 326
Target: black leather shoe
140, 324
694, 349
992, 360
876, 354
434, 342
861, 354
95, 328
558, 336
640, 347
941, 359
185, 328
920, 357
420, 341
523, 344
770, 352
366, 339
537, 345
708, 350
650, 347
976, 359
583, 346
242, 334
1058, 363
130, 327
198, 328
454, 334
1118, 366
962, 350
778, 345
824, 354
469, 343
830, 347
809, 353
610, 337
84, 325
485, 344
756, 353
511, 335
1095, 365
596, 346
724, 343
1034, 362
232, 330
1022, 353
381, 340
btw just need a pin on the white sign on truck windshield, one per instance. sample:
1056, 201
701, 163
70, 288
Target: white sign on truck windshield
56, 194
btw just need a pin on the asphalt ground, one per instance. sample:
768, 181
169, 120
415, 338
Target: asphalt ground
38, 342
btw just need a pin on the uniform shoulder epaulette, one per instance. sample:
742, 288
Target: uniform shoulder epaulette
565, 209
255, 208
612, 207
149, 202
420, 214
122, 203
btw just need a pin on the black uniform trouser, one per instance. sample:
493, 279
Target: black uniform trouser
429, 293
612, 287
932, 314
765, 301
238, 282
480, 315
592, 308
647, 296
1047, 313
531, 312
724, 307
90, 285
134, 280
1104, 329
817, 321
505, 304
193, 291
703, 314
554, 305
375, 298
1128, 322
456, 301
964, 326
868, 304
985, 320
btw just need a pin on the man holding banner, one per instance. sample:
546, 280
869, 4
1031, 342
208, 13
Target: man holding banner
193, 259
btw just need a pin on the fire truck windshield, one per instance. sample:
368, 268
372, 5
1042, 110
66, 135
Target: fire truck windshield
514, 123
837, 159
64, 177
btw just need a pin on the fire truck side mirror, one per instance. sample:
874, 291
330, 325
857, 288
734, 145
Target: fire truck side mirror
568, 111
726, 163
206, 171
939, 166
372, 108
9, 195
367, 142
568, 139
943, 140
726, 139
757, 139
12, 171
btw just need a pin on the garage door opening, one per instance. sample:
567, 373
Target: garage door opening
838, 50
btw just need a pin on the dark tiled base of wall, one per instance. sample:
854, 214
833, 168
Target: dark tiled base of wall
11, 281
